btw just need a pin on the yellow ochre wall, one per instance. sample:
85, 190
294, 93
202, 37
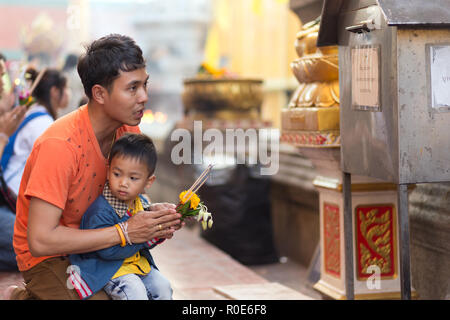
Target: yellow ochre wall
256, 38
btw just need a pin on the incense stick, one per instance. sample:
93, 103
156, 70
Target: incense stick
196, 185
36, 82
190, 192
194, 191
199, 178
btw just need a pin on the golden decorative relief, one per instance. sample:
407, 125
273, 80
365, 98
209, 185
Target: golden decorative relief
332, 256
375, 240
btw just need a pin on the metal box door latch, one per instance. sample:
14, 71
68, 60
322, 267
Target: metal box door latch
373, 21
363, 26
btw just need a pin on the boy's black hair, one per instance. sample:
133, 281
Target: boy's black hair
135, 146
105, 57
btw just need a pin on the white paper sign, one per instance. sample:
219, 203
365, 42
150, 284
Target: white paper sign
440, 76
365, 78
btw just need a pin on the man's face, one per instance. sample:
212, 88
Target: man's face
125, 101
128, 177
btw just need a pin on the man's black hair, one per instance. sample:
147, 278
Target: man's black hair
2, 57
105, 58
135, 146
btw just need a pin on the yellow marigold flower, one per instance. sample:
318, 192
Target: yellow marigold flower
195, 200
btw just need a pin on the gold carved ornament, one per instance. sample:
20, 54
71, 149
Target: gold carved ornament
331, 240
378, 245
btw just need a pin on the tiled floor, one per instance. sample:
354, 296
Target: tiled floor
198, 270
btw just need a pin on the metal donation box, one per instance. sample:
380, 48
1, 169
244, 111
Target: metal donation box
394, 78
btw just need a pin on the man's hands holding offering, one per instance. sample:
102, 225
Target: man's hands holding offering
160, 222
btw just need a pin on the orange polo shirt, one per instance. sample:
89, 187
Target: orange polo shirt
65, 168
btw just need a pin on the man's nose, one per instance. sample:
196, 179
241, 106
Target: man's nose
143, 95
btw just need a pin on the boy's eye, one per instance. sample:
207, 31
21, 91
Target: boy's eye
134, 178
115, 174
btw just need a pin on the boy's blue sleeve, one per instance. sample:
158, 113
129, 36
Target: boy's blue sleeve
96, 218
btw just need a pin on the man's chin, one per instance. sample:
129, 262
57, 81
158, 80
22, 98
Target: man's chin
133, 123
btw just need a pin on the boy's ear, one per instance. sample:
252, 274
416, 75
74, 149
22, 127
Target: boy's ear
150, 181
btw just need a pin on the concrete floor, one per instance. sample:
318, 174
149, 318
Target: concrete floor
288, 273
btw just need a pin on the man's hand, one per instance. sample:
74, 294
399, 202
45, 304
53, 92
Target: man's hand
160, 223
163, 206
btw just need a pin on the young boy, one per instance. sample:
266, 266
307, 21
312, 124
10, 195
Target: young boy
126, 271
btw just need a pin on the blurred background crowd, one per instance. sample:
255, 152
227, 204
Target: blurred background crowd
250, 38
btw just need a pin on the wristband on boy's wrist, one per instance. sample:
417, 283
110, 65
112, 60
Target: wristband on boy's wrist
122, 236
124, 227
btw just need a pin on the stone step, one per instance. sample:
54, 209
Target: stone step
260, 291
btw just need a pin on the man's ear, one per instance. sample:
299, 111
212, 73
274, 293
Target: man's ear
99, 93
150, 181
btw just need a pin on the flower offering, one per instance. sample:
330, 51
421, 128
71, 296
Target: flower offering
190, 204
25, 98
25, 90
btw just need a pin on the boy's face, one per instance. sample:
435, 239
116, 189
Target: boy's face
125, 101
128, 177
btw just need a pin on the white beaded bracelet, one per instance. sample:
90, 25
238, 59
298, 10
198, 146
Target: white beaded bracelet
124, 227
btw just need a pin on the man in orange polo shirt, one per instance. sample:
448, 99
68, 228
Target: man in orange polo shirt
66, 171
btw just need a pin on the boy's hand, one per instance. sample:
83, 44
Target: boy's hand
162, 206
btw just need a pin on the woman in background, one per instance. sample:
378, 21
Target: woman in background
9, 122
51, 94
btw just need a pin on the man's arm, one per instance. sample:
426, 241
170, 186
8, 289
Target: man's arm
47, 237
